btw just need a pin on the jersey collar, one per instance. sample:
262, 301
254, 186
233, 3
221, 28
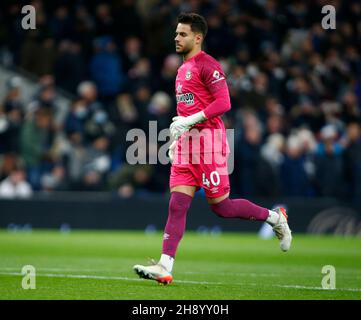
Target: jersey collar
198, 54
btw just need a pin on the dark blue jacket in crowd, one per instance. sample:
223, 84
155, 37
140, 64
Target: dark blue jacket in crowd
294, 178
106, 71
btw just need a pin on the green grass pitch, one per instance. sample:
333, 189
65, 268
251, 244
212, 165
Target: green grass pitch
98, 265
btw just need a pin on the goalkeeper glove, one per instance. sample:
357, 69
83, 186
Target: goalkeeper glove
183, 124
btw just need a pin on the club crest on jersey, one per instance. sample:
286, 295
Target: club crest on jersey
188, 75
216, 74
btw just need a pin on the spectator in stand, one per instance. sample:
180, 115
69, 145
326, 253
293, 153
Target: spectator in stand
142, 98
36, 139
72, 155
15, 186
328, 160
124, 115
88, 92
275, 123
97, 163
11, 117
352, 160
13, 97
9, 162
160, 110
169, 73
254, 170
309, 147
128, 19
55, 180
130, 179
70, 68
106, 69
140, 75
104, 20
307, 114
84, 29
76, 119
131, 53
350, 110
98, 124
256, 97
61, 25
272, 151
135, 175
294, 178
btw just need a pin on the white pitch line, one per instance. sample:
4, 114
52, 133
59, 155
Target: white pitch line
51, 269
84, 276
242, 274
76, 276
316, 288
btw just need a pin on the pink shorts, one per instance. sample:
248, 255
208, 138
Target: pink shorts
211, 175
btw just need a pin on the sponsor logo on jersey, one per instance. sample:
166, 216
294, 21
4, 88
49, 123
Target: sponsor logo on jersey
187, 98
179, 88
217, 76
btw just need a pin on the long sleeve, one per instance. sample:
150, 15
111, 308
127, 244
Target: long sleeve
215, 80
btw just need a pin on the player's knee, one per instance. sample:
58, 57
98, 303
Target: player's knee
220, 208
176, 208
179, 206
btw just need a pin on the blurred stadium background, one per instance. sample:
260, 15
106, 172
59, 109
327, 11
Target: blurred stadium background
91, 70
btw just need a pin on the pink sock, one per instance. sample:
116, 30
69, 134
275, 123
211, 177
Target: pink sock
239, 208
179, 204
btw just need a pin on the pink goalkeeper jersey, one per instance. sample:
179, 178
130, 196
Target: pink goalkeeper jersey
201, 81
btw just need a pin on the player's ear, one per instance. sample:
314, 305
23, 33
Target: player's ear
199, 38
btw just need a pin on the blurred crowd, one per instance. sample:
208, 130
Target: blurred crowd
295, 91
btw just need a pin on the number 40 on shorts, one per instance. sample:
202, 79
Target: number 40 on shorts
214, 179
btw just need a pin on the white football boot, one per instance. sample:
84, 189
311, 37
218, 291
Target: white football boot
154, 272
282, 230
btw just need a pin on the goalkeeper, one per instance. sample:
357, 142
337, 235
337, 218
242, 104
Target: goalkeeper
202, 97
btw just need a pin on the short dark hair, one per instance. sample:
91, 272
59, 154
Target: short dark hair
197, 22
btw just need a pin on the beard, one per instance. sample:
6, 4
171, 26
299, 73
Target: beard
183, 50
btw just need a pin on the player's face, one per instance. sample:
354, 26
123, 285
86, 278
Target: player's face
185, 39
